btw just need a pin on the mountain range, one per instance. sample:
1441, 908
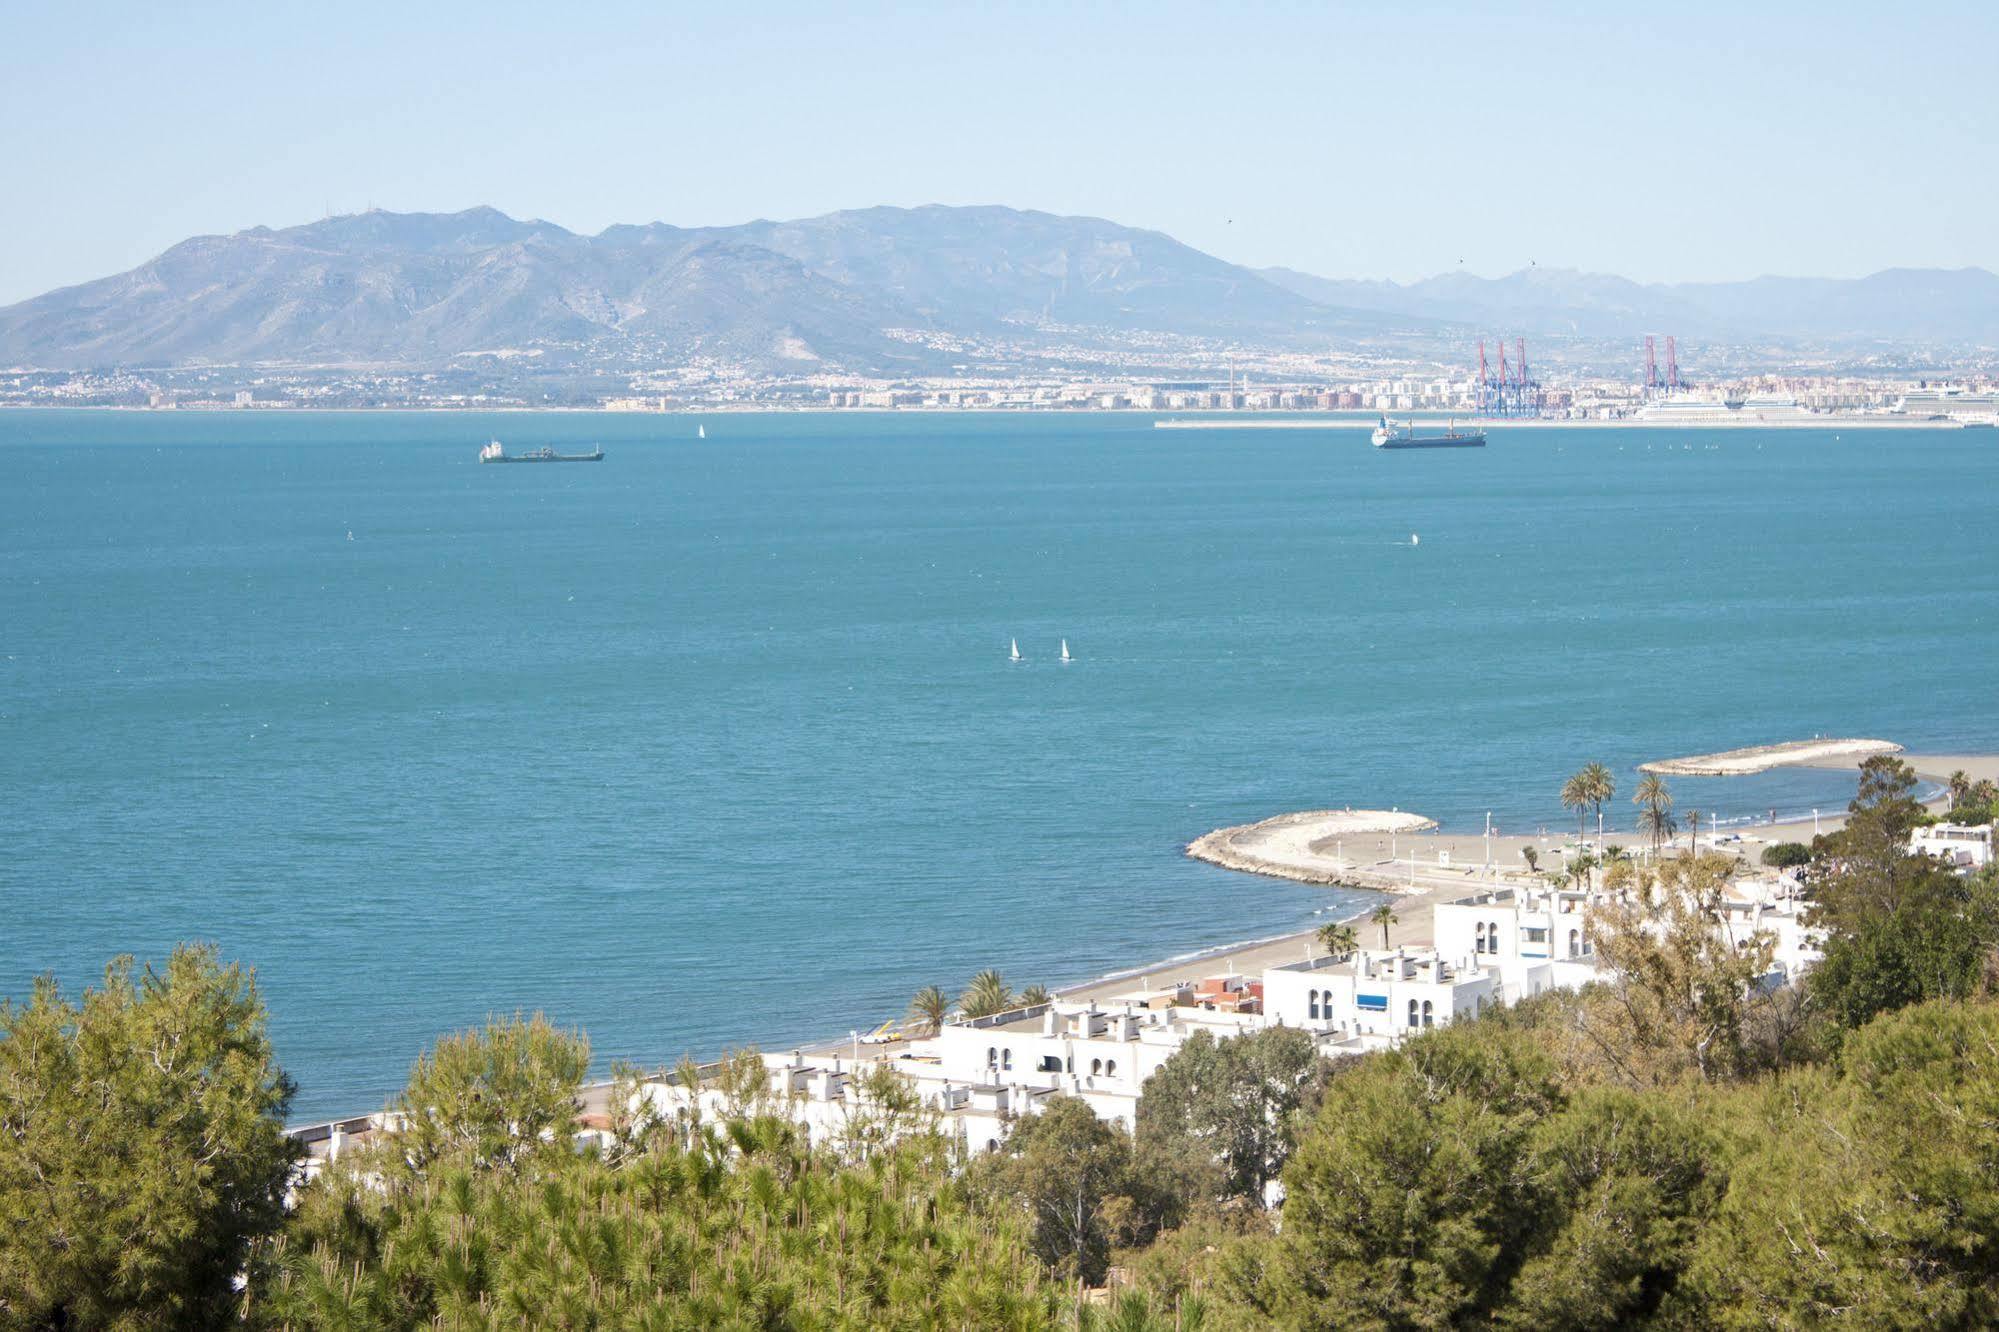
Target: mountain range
877, 289
1897, 304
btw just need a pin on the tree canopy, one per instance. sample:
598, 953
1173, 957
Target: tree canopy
142, 1153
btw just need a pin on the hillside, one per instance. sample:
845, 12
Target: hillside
414, 289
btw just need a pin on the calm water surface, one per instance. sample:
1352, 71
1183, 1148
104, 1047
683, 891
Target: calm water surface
716, 741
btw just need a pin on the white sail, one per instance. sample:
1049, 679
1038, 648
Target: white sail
1065, 651
701, 432
1015, 654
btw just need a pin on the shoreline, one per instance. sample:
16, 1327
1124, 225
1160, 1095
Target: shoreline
1412, 893
1256, 421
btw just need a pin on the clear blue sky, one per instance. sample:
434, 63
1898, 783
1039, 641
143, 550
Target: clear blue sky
1662, 141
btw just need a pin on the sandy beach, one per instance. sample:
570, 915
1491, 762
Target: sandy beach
1433, 867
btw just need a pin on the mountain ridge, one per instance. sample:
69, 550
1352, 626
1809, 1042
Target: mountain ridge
423, 287
880, 290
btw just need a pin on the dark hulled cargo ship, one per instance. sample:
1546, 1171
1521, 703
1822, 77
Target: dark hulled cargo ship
1404, 436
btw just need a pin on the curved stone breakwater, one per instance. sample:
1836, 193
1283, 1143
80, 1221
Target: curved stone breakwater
1762, 758
1306, 847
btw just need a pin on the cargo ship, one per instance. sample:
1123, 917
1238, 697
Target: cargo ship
495, 452
1404, 436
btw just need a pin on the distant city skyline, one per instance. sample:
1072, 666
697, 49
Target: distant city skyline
1691, 142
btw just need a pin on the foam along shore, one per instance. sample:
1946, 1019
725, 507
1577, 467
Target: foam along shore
1305, 846
1762, 758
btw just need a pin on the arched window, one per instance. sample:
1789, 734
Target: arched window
1429, 1014
1412, 1012
1096, 1067
1478, 938
1492, 936
992, 1057
1575, 942
1315, 1005
1110, 1068
1006, 1059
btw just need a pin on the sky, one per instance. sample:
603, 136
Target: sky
1664, 142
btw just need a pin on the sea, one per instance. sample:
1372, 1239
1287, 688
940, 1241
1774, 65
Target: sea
717, 742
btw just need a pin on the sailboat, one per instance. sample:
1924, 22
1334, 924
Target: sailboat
1015, 654
701, 432
1065, 651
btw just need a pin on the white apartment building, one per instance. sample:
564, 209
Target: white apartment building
1965, 846
1370, 1000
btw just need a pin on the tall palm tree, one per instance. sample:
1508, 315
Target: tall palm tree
1576, 795
930, 1007
1960, 787
1655, 806
1601, 786
1384, 916
1339, 939
986, 995
1693, 832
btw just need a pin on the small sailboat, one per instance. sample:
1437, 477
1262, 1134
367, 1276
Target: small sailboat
1014, 655
1065, 651
700, 432
1415, 540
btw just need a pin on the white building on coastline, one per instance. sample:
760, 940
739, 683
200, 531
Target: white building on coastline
1370, 1000
1494, 946
1962, 846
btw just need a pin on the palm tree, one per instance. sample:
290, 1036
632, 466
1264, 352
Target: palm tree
1655, 805
1601, 786
1960, 787
1576, 795
1338, 939
1693, 832
986, 995
930, 1007
1533, 859
1384, 916
1034, 994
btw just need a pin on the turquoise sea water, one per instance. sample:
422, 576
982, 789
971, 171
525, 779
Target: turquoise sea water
716, 741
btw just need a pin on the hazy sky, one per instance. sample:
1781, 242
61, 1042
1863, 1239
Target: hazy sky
1663, 141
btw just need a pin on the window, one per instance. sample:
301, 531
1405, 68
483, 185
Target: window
1429, 1015
1412, 1013
1051, 1063
1006, 1059
1492, 936
1110, 1068
1478, 938
1315, 1005
1575, 942
1096, 1067
992, 1057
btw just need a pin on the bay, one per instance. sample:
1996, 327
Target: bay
716, 741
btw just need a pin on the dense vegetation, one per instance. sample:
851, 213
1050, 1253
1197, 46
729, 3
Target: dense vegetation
1677, 1146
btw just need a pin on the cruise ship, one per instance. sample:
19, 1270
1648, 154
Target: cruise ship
1404, 436
1758, 409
